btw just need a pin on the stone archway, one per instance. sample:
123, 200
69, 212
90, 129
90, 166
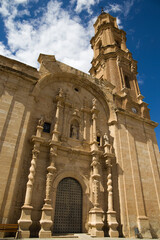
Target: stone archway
68, 207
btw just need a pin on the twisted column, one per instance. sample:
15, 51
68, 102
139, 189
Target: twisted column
111, 214
25, 219
95, 176
31, 175
46, 219
96, 213
51, 170
109, 185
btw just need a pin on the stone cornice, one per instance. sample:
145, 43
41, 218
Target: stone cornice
113, 54
105, 26
137, 117
18, 73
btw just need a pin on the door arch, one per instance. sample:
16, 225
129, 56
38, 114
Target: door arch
68, 207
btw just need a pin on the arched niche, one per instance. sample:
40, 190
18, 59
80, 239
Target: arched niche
74, 129
104, 97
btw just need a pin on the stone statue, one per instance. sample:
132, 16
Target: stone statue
106, 139
94, 102
74, 131
60, 94
41, 121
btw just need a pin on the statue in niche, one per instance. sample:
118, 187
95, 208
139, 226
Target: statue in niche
106, 139
74, 130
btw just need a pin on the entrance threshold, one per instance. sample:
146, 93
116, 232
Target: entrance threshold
65, 235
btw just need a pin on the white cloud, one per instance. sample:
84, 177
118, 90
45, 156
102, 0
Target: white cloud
20, 1
138, 44
124, 8
127, 6
114, 8
119, 23
84, 5
141, 78
55, 33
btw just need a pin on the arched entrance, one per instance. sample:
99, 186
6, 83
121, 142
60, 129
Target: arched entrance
68, 207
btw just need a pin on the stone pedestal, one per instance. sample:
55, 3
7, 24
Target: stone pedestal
46, 222
143, 226
25, 221
112, 223
96, 222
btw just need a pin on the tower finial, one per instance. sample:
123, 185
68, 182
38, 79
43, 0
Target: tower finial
102, 10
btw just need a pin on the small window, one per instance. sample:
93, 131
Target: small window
76, 89
46, 127
118, 44
98, 140
127, 83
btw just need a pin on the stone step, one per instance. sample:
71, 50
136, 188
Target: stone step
76, 236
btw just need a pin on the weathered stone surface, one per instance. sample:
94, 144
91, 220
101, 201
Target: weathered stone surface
59, 123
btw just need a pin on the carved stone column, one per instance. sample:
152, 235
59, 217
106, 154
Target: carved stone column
134, 73
96, 213
94, 111
46, 219
60, 99
120, 72
111, 214
123, 43
25, 219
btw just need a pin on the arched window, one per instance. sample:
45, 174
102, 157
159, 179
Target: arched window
99, 140
127, 83
118, 44
74, 129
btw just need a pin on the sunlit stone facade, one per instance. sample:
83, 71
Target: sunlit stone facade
78, 151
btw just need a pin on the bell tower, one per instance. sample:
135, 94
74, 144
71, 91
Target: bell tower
113, 62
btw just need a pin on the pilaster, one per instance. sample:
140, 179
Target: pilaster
142, 219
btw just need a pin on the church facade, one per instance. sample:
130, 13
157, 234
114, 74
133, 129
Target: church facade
79, 152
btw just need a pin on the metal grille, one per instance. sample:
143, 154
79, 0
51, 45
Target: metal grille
68, 209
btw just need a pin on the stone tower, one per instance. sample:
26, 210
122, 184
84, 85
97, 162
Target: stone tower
135, 144
78, 151
112, 60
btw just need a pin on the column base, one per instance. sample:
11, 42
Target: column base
96, 222
143, 226
45, 234
25, 221
113, 224
46, 222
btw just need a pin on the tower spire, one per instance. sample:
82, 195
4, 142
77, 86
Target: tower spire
112, 60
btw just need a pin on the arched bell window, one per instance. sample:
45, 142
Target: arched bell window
74, 129
127, 83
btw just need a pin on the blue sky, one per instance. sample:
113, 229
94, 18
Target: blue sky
64, 29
